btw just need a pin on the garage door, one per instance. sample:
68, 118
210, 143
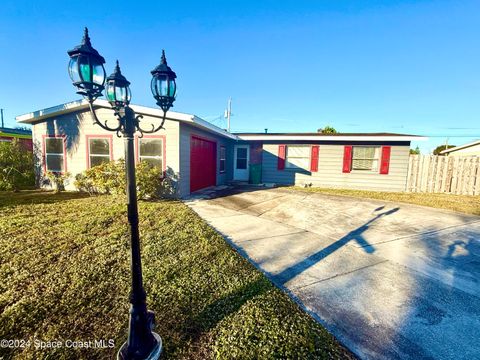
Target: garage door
203, 154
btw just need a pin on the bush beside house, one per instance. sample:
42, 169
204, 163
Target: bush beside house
16, 166
109, 178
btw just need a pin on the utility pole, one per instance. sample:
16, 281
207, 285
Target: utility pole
228, 113
1, 115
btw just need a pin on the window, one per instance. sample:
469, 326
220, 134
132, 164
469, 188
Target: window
151, 151
223, 157
242, 157
298, 156
54, 154
365, 158
99, 151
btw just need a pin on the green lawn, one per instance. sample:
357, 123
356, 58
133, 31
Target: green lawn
64, 271
468, 204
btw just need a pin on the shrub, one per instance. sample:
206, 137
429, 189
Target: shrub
109, 178
59, 180
16, 166
106, 178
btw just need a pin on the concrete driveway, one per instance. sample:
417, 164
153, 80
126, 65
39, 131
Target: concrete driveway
390, 281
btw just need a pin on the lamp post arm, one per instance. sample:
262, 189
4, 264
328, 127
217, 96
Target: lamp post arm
154, 129
98, 122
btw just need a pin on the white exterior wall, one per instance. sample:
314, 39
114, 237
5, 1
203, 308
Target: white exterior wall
76, 126
330, 173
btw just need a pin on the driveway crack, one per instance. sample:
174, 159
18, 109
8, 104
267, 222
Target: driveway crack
338, 275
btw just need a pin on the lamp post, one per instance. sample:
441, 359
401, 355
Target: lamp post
88, 76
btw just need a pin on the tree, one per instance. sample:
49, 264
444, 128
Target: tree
440, 148
16, 166
327, 130
415, 151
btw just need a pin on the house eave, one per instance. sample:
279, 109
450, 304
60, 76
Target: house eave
342, 138
461, 147
193, 120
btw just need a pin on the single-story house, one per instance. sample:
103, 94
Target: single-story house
24, 136
470, 149
199, 154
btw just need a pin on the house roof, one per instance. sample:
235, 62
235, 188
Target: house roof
17, 133
464, 146
330, 137
193, 120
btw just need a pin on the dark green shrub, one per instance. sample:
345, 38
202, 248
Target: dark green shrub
16, 166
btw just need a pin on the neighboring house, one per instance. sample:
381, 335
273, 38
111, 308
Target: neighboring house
23, 136
470, 149
199, 154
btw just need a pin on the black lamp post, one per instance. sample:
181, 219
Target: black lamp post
88, 75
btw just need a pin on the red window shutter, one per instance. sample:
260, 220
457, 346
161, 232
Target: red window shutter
281, 157
314, 158
385, 161
347, 159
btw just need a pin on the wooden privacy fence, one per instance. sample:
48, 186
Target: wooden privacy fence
444, 174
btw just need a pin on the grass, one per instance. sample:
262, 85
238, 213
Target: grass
64, 271
469, 204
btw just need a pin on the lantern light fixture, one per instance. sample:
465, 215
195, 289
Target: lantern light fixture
163, 85
117, 90
88, 76
86, 69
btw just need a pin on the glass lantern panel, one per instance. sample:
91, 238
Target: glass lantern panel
98, 74
120, 94
153, 84
163, 87
73, 70
85, 69
172, 88
110, 92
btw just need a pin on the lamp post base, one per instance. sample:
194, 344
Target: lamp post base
154, 354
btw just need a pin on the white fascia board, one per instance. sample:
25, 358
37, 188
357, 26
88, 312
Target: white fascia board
51, 111
205, 125
476, 142
144, 110
332, 138
83, 104
192, 120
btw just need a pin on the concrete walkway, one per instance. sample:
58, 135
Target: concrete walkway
390, 281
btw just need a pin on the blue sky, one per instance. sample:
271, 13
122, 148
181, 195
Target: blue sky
360, 66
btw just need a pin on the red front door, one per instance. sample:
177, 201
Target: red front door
203, 155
